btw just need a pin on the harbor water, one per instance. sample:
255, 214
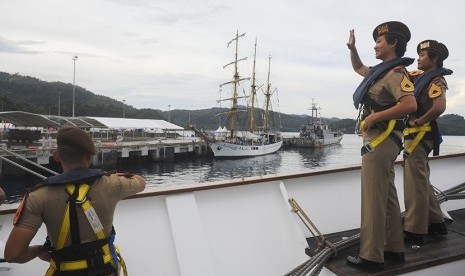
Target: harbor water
191, 170
287, 161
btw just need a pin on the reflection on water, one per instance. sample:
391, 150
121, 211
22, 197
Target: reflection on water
205, 169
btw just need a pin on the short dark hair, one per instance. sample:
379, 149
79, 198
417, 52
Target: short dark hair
401, 46
70, 154
432, 54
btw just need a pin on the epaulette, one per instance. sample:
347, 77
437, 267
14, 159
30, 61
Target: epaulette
110, 172
441, 81
126, 174
399, 68
415, 73
36, 187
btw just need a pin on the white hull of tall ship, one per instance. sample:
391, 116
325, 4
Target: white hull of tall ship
243, 226
313, 142
224, 149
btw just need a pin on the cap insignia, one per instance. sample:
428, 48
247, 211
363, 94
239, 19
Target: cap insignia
383, 29
424, 45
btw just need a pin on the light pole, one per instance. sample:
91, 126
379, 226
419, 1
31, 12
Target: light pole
74, 80
59, 104
169, 113
124, 108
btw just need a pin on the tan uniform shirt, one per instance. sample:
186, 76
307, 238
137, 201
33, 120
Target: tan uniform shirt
388, 90
47, 204
436, 89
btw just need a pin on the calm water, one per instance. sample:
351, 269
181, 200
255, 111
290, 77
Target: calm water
290, 160
204, 169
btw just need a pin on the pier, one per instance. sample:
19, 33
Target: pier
116, 140
109, 154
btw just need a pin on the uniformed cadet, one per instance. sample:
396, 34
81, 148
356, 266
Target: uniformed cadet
423, 214
77, 209
384, 97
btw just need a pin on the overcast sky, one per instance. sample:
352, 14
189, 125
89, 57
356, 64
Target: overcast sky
155, 53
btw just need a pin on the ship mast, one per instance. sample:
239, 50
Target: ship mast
268, 96
315, 109
253, 92
235, 81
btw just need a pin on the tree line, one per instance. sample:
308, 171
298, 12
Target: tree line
28, 94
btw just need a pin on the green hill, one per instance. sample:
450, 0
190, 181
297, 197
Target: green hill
24, 93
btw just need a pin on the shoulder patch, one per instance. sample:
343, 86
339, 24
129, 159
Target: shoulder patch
406, 85
20, 209
434, 91
415, 72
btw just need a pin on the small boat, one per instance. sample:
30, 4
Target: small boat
316, 133
248, 226
256, 140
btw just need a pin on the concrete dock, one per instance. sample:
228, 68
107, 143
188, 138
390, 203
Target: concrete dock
109, 153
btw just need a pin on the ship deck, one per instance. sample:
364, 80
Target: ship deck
436, 251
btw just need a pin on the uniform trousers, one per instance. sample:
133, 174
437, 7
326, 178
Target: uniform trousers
421, 205
381, 225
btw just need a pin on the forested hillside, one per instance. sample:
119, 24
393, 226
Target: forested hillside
24, 93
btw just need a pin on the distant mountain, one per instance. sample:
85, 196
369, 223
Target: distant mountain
24, 93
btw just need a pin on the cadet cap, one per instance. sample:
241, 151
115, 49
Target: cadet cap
438, 47
73, 136
392, 27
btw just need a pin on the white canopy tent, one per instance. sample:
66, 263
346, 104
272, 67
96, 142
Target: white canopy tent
129, 124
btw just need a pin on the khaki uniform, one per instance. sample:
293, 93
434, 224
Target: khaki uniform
47, 204
381, 225
421, 205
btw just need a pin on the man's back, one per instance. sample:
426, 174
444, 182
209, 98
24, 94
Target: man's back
47, 204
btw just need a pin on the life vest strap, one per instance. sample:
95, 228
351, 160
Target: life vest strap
98, 258
75, 265
385, 133
420, 134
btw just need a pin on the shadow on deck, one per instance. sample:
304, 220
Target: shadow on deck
436, 251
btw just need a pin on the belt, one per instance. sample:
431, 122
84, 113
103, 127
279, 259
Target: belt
370, 146
420, 133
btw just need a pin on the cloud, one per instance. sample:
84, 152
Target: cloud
16, 47
171, 52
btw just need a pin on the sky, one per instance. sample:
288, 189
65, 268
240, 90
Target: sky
169, 54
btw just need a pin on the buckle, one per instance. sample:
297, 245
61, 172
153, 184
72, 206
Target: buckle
80, 202
368, 147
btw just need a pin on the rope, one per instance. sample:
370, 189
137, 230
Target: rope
314, 265
22, 167
310, 225
29, 161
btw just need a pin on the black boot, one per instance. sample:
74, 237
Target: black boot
437, 228
359, 262
414, 239
397, 257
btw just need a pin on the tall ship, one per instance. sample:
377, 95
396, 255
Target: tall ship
256, 140
316, 133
